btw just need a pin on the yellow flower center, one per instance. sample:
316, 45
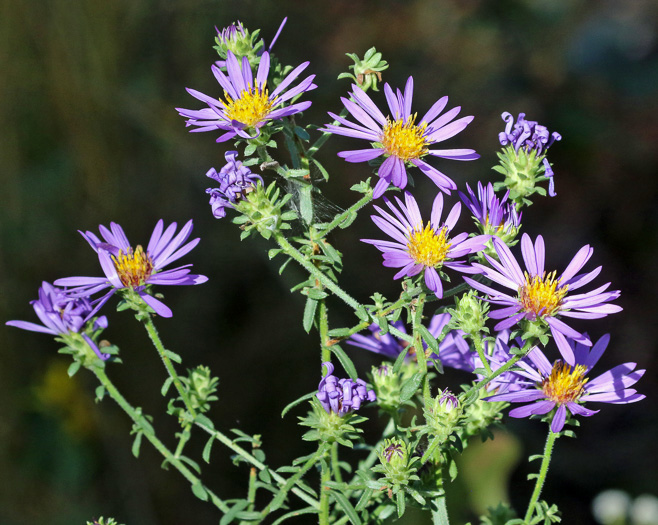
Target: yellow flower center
429, 247
133, 267
565, 384
542, 295
251, 108
404, 139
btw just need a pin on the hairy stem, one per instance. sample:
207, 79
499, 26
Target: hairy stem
139, 420
539, 484
157, 342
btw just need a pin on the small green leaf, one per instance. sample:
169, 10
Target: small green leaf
363, 500
73, 368
173, 356
199, 491
324, 172
400, 359
136, 444
296, 402
410, 386
100, 393
265, 477
340, 332
166, 385
362, 313
347, 507
429, 339
452, 470
345, 361
302, 133
309, 314
274, 252
206, 450
314, 293
399, 501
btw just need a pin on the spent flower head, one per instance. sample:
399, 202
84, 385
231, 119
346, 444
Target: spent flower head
132, 269
367, 71
398, 137
341, 396
565, 388
523, 160
424, 247
235, 181
542, 298
247, 105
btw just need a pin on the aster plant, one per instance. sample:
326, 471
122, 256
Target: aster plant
487, 338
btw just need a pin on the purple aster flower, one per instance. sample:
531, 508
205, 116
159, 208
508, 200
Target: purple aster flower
530, 136
542, 296
131, 268
566, 387
63, 314
235, 181
342, 396
495, 216
421, 247
248, 105
454, 351
399, 138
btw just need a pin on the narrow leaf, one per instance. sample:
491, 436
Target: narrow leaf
347, 507
309, 314
296, 402
345, 361
206, 450
410, 386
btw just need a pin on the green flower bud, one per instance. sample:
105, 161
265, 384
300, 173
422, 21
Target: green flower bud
396, 462
470, 314
367, 72
442, 414
201, 387
388, 385
262, 211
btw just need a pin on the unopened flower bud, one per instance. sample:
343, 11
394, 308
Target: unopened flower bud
470, 314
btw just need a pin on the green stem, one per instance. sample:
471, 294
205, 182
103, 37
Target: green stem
294, 479
338, 219
251, 494
334, 463
417, 339
324, 330
184, 437
155, 338
311, 269
251, 459
479, 346
439, 511
139, 420
325, 476
539, 484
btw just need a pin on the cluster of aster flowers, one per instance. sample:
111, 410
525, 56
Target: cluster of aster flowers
507, 364
69, 307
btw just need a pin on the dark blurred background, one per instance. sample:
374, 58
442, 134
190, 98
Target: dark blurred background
90, 135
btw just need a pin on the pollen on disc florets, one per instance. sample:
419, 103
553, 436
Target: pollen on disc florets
542, 295
251, 108
404, 140
427, 246
133, 266
565, 384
